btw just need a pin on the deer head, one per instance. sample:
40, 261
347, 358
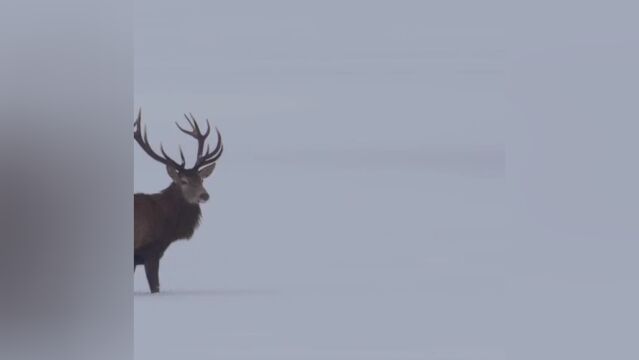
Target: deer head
190, 181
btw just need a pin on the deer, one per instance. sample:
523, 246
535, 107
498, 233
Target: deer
174, 213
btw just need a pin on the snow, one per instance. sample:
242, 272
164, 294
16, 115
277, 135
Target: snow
401, 180
317, 262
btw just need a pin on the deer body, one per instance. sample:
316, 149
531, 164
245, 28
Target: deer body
174, 213
161, 219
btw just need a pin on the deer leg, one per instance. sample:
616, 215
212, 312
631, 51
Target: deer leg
137, 260
152, 268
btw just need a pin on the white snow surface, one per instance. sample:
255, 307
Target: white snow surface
402, 180
311, 261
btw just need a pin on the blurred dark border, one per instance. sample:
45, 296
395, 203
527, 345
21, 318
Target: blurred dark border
66, 175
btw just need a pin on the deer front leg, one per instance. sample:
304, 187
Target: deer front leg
137, 260
152, 269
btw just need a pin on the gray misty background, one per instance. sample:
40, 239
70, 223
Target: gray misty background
402, 180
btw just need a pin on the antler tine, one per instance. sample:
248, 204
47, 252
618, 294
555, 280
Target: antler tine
190, 133
197, 128
219, 145
208, 128
136, 124
143, 140
195, 125
182, 155
196, 132
211, 157
173, 162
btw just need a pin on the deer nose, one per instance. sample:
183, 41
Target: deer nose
204, 197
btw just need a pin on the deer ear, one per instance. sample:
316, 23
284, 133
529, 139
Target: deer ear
173, 173
204, 173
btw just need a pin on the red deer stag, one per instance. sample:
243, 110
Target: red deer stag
174, 213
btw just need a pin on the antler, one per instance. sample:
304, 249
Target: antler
143, 141
209, 157
202, 160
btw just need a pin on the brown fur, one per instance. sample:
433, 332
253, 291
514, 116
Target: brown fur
160, 219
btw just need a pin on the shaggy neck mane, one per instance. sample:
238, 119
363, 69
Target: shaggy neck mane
184, 217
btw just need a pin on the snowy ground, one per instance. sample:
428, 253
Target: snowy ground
402, 180
312, 260
299, 260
